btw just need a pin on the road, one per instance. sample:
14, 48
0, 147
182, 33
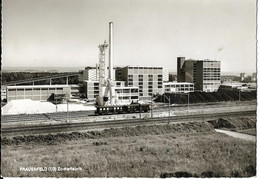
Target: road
238, 135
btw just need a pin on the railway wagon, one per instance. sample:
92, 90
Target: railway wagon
122, 109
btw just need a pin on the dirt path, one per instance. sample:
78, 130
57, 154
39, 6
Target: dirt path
238, 135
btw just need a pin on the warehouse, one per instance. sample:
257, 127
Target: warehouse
39, 92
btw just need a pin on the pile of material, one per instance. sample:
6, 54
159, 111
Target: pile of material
27, 106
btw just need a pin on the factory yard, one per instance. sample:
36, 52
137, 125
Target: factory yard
175, 150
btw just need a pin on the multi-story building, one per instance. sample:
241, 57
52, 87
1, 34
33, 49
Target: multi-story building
39, 92
178, 87
243, 76
91, 88
253, 78
124, 94
92, 73
148, 79
205, 74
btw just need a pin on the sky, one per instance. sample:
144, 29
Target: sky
66, 33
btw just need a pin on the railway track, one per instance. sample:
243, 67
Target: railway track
87, 114
70, 127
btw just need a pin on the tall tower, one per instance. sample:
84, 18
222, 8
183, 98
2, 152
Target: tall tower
102, 66
180, 70
111, 48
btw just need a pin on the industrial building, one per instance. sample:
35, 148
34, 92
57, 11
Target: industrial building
148, 79
92, 73
235, 86
253, 78
178, 87
40, 92
91, 88
205, 74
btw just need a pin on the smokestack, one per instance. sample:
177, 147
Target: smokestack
110, 50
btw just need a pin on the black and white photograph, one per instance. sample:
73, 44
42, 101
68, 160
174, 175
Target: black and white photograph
129, 88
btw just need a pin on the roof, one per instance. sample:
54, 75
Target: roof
178, 83
40, 86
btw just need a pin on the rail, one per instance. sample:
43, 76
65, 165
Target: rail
67, 127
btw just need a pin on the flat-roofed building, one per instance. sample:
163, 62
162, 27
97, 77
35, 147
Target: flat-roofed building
205, 74
91, 88
178, 87
253, 78
149, 80
126, 95
92, 74
40, 92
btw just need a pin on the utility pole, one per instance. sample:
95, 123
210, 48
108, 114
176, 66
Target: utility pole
188, 102
151, 106
169, 101
140, 111
169, 108
67, 110
56, 102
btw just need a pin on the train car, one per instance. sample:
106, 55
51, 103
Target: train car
122, 109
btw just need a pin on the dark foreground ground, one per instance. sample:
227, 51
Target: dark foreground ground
172, 150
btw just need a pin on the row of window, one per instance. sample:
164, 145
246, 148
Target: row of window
36, 89
211, 69
145, 68
212, 78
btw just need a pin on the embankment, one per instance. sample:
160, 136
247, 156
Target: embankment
191, 127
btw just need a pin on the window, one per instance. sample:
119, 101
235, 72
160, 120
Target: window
134, 97
134, 90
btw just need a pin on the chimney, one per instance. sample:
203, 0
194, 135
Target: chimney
110, 50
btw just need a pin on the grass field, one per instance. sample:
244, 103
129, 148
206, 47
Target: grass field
148, 154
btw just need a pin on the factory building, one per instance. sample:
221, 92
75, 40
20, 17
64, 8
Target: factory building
91, 88
124, 93
148, 79
92, 73
40, 92
253, 78
178, 87
243, 76
205, 74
